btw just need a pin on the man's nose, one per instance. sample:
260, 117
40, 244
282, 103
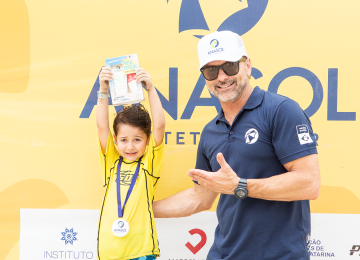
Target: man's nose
222, 75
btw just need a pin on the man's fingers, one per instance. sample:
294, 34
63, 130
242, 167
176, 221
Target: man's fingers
221, 160
201, 181
198, 174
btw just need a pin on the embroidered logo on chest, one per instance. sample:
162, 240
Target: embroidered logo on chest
251, 136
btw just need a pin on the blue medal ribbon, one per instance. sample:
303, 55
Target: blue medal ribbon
121, 209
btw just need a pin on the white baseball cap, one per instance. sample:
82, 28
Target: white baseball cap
224, 45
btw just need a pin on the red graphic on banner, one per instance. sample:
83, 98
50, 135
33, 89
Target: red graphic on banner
195, 249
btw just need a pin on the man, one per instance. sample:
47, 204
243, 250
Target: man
259, 153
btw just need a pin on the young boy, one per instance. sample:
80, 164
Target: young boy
131, 161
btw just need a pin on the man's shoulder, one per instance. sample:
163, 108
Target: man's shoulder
274, 99
272, 102
210, 125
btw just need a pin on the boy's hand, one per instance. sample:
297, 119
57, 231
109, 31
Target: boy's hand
105, 76
144, 77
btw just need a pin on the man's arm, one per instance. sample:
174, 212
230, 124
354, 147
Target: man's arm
185, 203
301, 182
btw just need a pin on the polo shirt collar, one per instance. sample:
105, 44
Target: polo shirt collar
255, 98
254, 101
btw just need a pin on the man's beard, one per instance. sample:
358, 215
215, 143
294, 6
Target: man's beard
235, 90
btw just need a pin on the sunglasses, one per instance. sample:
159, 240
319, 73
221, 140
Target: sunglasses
229, 68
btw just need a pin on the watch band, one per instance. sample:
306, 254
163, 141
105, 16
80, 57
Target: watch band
242, 182
241, 191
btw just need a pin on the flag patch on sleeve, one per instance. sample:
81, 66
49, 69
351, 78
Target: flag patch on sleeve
303, 134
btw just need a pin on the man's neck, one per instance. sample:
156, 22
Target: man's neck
232, 109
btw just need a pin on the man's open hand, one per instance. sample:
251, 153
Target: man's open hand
223, 181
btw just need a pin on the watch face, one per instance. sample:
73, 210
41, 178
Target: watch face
241, 193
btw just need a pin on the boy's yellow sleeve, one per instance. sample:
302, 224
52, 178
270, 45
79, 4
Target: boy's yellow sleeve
156, 156
108, 159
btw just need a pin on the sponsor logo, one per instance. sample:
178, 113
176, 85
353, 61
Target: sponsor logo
217, 50
68, 255
303, 134
69, 236
251, 136
126, 177
201, 244
317, 249
120, 228
121, 224
214, 43
355, 248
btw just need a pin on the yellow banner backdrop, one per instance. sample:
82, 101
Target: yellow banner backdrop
52, 51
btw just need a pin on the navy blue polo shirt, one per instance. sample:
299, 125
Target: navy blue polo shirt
270, 131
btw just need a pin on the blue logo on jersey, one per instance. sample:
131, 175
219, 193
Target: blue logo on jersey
69, 236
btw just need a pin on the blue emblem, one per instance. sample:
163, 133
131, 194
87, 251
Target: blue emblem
69, 236
192, 17
121, 224
214, 43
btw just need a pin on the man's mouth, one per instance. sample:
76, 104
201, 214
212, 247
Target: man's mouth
131, 153
226, 85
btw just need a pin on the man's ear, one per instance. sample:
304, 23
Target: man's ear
148, 140
248, 67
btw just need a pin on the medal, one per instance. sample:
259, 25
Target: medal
121, 227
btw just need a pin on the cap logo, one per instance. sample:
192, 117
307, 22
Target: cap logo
214, 43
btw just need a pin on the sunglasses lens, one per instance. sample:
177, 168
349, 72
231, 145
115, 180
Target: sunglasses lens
231, 68
211, 73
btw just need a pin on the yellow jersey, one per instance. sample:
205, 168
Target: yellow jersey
142, 238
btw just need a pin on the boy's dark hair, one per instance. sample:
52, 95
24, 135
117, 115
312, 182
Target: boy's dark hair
134, 115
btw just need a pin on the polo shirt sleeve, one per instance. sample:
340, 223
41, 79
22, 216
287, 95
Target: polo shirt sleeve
292, 134
202, 162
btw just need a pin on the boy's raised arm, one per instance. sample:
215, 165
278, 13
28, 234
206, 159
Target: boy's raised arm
102, 111
157, 112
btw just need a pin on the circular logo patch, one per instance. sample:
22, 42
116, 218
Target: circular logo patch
120, 228
251, 136
214, 43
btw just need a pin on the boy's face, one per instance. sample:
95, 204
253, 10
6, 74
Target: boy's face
131, 142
